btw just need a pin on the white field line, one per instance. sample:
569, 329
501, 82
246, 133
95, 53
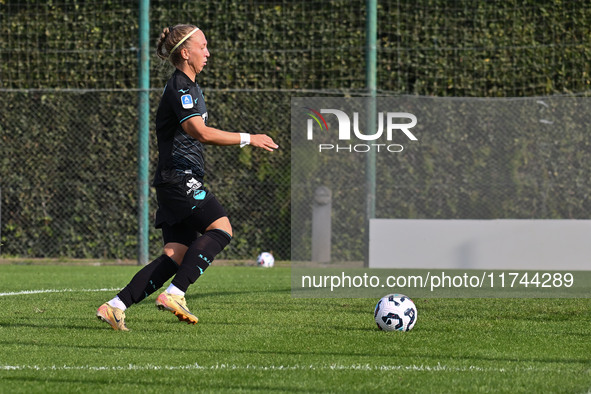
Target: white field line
233, 367
26, 292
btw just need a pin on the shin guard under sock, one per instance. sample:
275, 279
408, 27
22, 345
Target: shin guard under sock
199, 256
148, 280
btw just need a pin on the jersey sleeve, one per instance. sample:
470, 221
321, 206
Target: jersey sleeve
187, 103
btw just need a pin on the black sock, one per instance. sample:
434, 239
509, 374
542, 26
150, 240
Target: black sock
199, 256
148, 280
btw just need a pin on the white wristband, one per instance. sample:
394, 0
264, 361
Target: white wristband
244, 139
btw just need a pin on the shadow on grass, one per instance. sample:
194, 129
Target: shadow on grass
155, 383
437, 358
207, 294
57, 326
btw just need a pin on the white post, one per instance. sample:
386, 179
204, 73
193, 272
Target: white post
321, 225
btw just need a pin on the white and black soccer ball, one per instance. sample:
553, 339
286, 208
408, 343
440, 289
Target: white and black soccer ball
395, 312
265, 260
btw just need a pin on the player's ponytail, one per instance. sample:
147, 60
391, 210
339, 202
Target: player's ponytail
160, 48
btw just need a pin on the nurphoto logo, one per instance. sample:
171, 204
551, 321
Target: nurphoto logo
392, 126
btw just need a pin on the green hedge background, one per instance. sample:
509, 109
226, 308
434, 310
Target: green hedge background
68, 110
501, 48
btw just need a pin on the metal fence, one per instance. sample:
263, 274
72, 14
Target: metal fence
474, 158
69, 173
68, 107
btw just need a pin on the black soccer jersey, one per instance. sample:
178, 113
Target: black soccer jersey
182, 99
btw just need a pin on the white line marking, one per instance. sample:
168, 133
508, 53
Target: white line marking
333, 367
25, 292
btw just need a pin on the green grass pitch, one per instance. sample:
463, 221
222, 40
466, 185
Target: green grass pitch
253, 336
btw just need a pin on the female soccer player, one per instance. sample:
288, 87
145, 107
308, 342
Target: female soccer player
195, 227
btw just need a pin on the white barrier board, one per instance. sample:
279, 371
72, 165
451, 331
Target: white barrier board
517, 244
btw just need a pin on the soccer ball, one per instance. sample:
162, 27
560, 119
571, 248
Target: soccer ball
395, 312
265, 260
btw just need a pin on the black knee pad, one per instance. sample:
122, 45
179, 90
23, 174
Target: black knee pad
212, 242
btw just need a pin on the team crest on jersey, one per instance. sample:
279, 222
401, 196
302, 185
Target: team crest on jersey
187, 101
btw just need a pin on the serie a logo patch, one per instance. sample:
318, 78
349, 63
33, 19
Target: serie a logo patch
187, 101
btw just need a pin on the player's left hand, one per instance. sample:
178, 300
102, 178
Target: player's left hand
263, 141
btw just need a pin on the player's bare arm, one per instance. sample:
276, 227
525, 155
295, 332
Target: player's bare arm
197, 128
